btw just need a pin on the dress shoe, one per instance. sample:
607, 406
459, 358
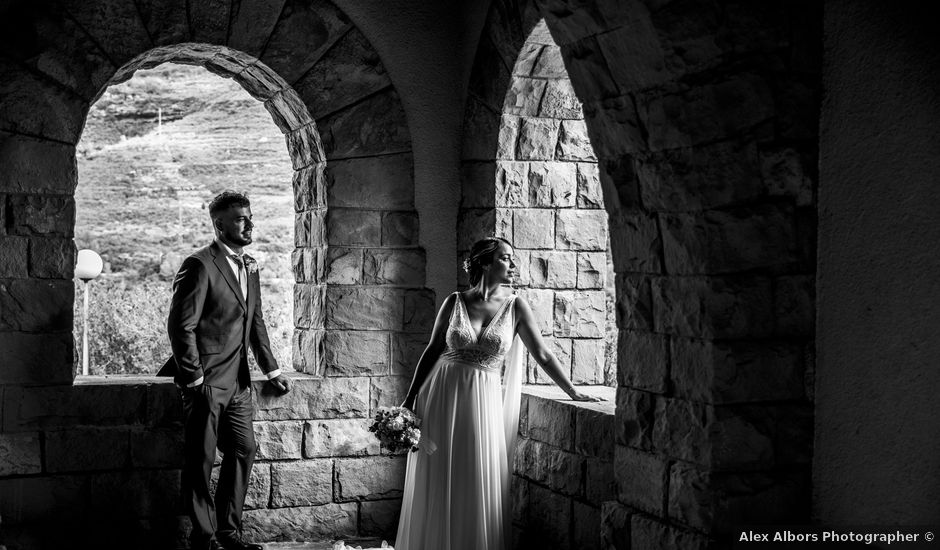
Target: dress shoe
236, 542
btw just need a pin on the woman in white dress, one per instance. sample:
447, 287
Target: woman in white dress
457, 483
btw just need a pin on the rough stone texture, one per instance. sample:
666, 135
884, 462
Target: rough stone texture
339, 437
52, 258
589, 186
592, 270
360, 308
379, 517
599, 480
542, 304
560, 470
307, 351
581, 230
334, 520
288, 111
355, 353
385, 182
353, 227
406, 351
561, 348
34, 165
278, 440
573, 142
524, 96
303, 33
31, 358
399, 229
44, 215
641, 479
157, 448
714, 307
309, 300
14, 257
560, 101
511, 184
645, 361
387, 391
396, 267
586, 523
301, 483
313, 398
551, 422
537, 138
20, 454
552, 270
533, 228
551, 184
580, 314
259, 485
369, 478
588, 359
635, 418
36, 305
549, 524
372, 127
85, 449
615, 525
649, 533
343, 266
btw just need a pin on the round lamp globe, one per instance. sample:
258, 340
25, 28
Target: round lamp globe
88, 265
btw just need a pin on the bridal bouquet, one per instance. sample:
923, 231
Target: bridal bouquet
396, 428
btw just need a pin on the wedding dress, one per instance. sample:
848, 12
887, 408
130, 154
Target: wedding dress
457, 483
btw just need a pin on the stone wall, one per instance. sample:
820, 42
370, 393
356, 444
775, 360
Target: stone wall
703, 119
103, 457
563, 469
542, 193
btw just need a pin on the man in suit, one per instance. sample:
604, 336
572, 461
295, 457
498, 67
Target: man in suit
215, 317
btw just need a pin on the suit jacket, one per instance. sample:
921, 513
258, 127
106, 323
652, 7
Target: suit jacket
211, 326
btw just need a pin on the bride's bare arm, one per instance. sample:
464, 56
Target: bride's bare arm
532, 338
432, 352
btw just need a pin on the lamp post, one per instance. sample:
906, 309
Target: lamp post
87, 268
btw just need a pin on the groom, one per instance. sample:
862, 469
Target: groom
215, 316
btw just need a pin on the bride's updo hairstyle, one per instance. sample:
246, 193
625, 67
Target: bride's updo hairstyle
481, 254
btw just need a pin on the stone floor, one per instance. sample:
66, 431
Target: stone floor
351, 544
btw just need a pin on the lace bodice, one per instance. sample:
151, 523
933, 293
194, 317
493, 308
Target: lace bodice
487, 350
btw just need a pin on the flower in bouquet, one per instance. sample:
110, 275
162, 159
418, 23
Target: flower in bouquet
396, 428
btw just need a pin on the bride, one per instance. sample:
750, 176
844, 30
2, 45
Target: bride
457, 483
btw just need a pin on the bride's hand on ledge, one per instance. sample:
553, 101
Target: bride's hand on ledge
575, 395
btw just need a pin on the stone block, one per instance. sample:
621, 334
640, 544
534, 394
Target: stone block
355, 353
301, 483
561, 349
399, 229
381, 183
644, 359
599, 481
252, 24
20, 454
507, 138
279, 440
406, 351
542, 304
589, 186
574, 145
580, 314
339, 437
287, 110
634, 302
307, 351
561, 471
736, 372
586, 526
302, 35
713, 307
352, 227
87, 449
51, 258
369, 478
550, 63
34, 165
36, 305
310, 187
511, 184
594, 272
379, 518
649, 533
729, 240
305, 523
520, 499
36, 106
315, 398
619, 185
387, 391
533, 228
636, 243
615, 117
310, 229
548, 524
615, 526
259, 485
31, 358
551, 422
482, 127
303, 144
157, 448
701, 177
419, 311
478, 182
783, 171
588, 361
549, 269
641, 479
363, 308
373, 127
551, 185
682, 430
537, 138
528, 55
343, 266
795, 305
581, 230
524, 96
635, 418
44, 215
560, 101
309, 305
349, 71
705, 113
593, 431
473, 224
89, 402
635, 53
394, 267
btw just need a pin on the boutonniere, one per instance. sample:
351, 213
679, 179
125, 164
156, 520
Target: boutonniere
251, 265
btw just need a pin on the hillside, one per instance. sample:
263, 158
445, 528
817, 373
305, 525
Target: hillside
154, 151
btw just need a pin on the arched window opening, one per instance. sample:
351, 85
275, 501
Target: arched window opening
154, 150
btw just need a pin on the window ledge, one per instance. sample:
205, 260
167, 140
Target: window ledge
554, 393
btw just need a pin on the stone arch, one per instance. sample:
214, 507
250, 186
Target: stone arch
359, 300
704, 121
